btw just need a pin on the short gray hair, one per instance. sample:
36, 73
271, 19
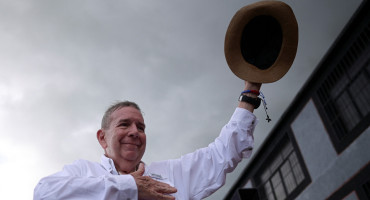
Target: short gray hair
105, 123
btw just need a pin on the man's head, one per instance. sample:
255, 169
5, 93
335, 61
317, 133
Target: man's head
122, 135
105, 122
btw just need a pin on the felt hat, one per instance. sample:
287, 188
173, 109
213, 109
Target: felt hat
261, 41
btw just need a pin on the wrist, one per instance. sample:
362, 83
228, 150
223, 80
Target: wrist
255, 102
252, 86
250, 100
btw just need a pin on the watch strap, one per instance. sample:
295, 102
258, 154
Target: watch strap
256, 102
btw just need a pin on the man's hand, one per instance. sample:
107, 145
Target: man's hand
149, 188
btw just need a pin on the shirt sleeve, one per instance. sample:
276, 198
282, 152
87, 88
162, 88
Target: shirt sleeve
204, 171
70, 183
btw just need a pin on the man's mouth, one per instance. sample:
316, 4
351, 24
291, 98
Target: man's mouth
131, 145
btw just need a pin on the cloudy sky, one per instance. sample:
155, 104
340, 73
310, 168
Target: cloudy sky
62, 63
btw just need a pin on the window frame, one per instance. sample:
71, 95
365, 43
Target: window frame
352, 60
356, 184
288, 137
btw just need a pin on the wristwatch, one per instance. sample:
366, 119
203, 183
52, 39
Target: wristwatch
256, 102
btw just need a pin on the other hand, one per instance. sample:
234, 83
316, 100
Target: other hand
149, 188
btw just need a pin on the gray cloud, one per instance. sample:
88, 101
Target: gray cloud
63, 62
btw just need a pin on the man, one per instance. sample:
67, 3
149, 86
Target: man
122, 175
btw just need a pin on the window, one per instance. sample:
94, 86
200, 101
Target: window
283, 175
365, 188
358, 187
344, 96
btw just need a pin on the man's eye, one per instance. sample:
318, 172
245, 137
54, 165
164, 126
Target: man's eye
123, 124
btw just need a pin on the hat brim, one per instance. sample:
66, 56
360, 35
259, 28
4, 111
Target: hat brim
289, 28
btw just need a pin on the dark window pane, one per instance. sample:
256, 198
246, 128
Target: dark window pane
297, 170
278, 186
265, 175
288, 177
276, 163
360, 90
348, 113
366, 188
268, 191
287, 149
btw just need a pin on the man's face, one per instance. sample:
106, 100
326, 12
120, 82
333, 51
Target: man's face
125, 140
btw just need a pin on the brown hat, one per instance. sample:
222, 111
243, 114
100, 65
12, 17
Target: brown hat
261, 41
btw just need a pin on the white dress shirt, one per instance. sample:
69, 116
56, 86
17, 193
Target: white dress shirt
195, 175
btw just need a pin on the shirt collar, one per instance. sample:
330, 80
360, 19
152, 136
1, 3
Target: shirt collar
108, 165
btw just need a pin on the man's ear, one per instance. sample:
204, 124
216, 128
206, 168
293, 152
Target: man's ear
100, 135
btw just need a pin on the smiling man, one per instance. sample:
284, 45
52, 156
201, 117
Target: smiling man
122, 175
122, 136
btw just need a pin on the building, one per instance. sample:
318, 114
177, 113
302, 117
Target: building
320, 148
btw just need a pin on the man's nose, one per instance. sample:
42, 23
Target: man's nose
134, 131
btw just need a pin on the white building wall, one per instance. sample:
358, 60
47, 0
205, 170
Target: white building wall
327, 169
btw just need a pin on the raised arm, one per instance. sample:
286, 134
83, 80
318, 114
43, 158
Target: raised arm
197, 175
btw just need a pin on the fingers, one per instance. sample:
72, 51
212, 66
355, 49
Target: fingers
149, 188
154, 185
161, 196
165, 188
140, 170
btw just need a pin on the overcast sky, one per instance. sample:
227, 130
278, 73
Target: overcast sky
62, 63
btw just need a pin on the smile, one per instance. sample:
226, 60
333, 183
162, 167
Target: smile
130, 146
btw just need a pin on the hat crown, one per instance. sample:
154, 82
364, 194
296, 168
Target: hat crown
261, 41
